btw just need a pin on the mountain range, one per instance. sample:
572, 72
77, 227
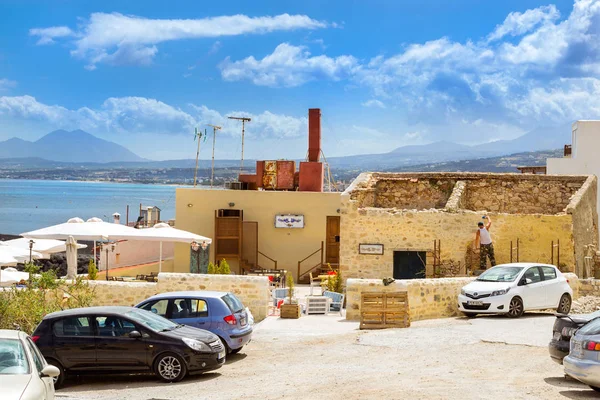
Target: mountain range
61, 148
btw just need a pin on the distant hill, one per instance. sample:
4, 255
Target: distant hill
63, 146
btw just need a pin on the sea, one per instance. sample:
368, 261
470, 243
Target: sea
26, 205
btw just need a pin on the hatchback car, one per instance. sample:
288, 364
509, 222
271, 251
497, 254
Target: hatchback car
512, 289
221, 313
125, 339
583, 361
24, 373
564, 328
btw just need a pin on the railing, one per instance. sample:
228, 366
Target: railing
320, 264
268, 258
567, 151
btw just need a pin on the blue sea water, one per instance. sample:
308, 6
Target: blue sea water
26, 205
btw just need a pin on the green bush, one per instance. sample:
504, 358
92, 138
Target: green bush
224, 268
24, 308
92, 271
211, 269
290, 284
335, 282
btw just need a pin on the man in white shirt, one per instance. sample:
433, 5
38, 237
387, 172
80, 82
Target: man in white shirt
484, 240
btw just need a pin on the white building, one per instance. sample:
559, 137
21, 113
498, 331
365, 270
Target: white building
583, 157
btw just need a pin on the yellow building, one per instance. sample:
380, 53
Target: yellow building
242, 224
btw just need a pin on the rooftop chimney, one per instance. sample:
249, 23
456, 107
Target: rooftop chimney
116, 218
314, 134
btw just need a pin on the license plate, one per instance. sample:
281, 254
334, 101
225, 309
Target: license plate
221, 355
475, 303
557, 335
243, 321
577, 350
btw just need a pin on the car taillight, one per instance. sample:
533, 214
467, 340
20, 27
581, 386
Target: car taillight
35, 339
592, 346
230, 319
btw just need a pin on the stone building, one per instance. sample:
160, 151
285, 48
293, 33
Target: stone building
411, 225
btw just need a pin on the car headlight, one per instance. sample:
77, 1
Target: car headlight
462, 291
197, 345
500, 292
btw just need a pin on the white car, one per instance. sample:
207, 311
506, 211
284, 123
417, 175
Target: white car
512, 289
24, 373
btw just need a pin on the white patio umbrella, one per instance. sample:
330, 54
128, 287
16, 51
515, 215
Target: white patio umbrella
163, 232
71, 258
44, 246
11, 275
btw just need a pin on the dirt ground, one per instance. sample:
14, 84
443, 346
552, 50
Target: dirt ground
318, 357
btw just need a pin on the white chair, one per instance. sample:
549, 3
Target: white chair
337, 301
313, 283
279, 294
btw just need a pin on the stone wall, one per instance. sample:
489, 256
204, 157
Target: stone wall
521, 196
585, 230
433, 298
413, 193
252, 290
589, 287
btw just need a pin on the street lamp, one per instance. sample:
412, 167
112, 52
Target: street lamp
112, 249
31, 243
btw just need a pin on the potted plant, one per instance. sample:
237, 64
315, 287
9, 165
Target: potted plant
290, 308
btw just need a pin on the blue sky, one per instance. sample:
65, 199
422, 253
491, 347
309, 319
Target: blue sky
384, 73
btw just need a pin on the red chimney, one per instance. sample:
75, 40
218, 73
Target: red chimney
314, 134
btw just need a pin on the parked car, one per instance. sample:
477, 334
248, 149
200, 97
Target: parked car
125, 339
564, 328
512, 289
221, 313
24, 373
583, 362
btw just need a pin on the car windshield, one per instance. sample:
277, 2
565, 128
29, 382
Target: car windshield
13, 360
591, 328
234, 304
151, 320
500, 274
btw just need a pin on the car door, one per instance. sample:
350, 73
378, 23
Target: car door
532, 292
74, 342
191, 311
158, 307
552, 286
115, 349
40, 362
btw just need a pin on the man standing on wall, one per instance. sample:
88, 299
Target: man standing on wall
486, 248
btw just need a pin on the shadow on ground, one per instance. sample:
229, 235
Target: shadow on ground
574, 388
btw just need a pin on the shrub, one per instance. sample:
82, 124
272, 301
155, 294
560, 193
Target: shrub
25, 307
92, 270
290, 284
211, 269
334, 282
224, 268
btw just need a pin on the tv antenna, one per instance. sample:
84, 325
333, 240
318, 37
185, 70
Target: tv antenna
243, 119
212, 172
198, 135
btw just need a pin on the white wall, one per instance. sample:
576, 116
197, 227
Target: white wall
584, 158
135, 252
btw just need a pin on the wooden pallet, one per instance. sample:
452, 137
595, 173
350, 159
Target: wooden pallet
384, 310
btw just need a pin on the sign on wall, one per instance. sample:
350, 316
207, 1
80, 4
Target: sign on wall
289, 221
371, 249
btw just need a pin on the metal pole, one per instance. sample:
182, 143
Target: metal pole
197, 153
511, 251
127, 216
517, 249
558, 253
212, 168
552, 257
243, 130
106, 246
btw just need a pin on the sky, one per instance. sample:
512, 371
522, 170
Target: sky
385, 74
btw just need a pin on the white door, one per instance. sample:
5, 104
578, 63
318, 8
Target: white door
553, 286
39, 364
533, 293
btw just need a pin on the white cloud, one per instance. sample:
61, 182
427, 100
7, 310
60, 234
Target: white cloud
139, 115
215, 47
288, 66
126, 39
517, 24
6, 84
374, 103
47, 35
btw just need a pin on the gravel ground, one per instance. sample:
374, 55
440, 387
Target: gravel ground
319, 357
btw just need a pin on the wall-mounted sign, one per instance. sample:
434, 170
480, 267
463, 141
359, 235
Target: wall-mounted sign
372, 249
289, 221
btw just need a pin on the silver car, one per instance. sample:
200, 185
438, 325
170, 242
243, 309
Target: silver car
24, 373
583, 361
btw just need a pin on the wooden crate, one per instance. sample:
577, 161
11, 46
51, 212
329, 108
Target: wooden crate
384, 310
290, 311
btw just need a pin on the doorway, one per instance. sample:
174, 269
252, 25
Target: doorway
409, 264
332, 241
249, 245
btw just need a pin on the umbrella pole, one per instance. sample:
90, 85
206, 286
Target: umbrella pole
94, 252
160, 258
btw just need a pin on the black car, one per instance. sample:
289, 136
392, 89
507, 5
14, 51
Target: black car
564, 327
125, 339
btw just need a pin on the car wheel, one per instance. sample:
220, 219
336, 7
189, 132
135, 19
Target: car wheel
470, 314
235, 351
564, 306
515, 308
170, 367
596, 388
60, 379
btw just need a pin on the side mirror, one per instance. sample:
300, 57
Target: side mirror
528, 281
522, 282
154, 310
49, 371
135, 335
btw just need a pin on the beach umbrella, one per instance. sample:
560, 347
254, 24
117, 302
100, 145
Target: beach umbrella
71, 258
44, 246
21, 255
92, 229
11, 275
163, 232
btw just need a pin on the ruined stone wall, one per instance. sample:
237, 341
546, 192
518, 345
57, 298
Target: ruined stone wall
528, 196
253, 291
585, 230
413, 193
